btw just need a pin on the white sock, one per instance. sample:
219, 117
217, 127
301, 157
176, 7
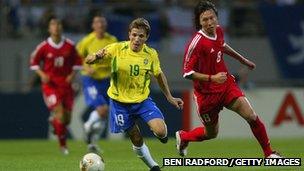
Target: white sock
97, 128
95, 125
144, 154
94, 116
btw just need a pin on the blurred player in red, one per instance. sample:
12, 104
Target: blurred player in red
214, 87
55, 61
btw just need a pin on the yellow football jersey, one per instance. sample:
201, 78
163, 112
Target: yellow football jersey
131, 71
91, 44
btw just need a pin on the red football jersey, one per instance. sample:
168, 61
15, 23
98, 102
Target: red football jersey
58, 60
204, 54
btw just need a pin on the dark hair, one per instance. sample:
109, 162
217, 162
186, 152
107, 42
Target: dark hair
53, 17
97, 14
140, 23
201, 7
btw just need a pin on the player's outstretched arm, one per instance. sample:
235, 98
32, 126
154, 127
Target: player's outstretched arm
231, 52
163, 84
70, 77
91, 59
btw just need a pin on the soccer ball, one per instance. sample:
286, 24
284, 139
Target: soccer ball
91, 162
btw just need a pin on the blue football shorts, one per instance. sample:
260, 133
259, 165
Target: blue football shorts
95, 91
124, 115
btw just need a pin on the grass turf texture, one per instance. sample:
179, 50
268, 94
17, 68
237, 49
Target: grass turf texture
44, 155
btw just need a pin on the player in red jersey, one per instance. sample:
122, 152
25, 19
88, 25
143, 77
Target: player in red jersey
214, 86
59, 61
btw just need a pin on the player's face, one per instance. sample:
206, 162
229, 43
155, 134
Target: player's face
208, 20
99, 25
137, 38
55, 27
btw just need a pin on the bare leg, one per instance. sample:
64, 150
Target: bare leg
159, 128
94, 126
242, 107
139, 147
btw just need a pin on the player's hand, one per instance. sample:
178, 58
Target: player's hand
177, 102
69, 78
219, 78
249, 64
44, 78
91, 59
100, 54
89, 70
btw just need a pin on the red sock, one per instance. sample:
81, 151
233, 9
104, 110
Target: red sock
60, 131
197, 134
259, 131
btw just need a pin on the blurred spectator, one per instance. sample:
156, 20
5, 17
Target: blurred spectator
12, 17
164, 24
180, 21
286, 2
281, 2
97, 1
134, 8
224, 9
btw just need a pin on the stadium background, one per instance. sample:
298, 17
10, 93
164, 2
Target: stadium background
269, 32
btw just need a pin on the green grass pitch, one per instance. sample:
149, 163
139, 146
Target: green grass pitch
43, 155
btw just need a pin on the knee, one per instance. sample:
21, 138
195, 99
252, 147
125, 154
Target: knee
246, 112
211, 135
160, 131
251, 116
102, 111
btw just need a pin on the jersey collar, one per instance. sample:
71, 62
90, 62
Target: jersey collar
53, 44
131, 51
204, 34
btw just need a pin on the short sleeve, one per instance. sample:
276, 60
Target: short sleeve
81, 48
77, 61
36, 57
191, 56
156, 69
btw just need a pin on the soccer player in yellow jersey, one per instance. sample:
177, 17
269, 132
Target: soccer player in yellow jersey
95, 79
132, 65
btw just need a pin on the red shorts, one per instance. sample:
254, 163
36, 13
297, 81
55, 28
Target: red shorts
209, 105
54, 95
